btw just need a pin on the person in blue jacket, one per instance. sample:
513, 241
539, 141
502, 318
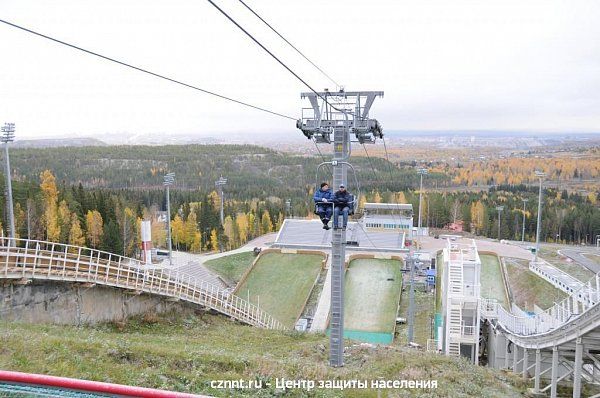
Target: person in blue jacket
323, 200
343, 201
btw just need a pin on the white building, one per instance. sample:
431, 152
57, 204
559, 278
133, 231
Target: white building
461, 287
385, 217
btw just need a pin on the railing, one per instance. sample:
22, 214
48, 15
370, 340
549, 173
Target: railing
22, 258
559, 314
468, 330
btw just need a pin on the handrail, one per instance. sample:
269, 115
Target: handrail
36, 259
550, 319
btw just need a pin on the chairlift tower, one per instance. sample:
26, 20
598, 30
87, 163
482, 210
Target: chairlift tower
340, 118
219, 184
8, 135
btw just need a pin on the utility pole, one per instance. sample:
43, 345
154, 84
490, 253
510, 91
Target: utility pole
422, 172
288, 207
220, 183
169, 179
499, 208
524, 208
540, 175
8, 135
348, 112
410, 259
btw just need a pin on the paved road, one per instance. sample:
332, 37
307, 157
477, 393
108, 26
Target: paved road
578, 257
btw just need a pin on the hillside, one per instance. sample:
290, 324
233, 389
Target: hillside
186, 352
196, 166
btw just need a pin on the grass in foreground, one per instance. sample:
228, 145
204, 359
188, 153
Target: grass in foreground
528, 289
372, 293
231, 268
424, 312
492, 283
184, 352
281, 283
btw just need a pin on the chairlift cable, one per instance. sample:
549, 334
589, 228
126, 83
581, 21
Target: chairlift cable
291, 45
139, 69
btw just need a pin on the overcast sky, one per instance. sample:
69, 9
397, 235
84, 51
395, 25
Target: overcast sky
444, 65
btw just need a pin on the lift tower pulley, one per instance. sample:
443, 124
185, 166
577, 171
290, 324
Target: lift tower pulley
332, 118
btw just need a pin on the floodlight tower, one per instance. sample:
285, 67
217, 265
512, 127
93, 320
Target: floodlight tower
220, 183
524, 209
499, 209
8, 135
332, 118
422, 172
169, 179
540, 175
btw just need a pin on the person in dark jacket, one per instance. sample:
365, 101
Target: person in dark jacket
343, 202
323, 198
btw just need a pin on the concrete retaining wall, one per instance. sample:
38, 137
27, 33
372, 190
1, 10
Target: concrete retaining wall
75, 303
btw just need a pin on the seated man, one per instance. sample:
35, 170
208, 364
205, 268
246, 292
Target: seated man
323, 200
343, 202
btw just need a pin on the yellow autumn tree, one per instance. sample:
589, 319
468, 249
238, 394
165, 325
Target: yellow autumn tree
76, 237
178, 231
266, 225
477, 216
376, 197
214, 240
50, 195
242, 222
400, 198
228, 231
64, 220
94, 227
191, 228
251, 222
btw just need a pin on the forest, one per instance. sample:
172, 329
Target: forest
97, 196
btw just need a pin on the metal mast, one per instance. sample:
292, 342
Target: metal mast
8, 135
524, 209
339, 114
169, 180
540, 175
219, 184
422, 172
499, 209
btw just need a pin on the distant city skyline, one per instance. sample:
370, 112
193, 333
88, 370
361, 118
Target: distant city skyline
528, 67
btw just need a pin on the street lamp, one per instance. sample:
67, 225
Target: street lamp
523, 234
169, 179
288, 207
8, 135
540, 175
421, 172
220, 183
499, 208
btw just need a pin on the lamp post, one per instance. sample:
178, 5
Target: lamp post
220, 183
540, 175
8, 135
421, 172
523, 234
499, 208
169, 179
288, 207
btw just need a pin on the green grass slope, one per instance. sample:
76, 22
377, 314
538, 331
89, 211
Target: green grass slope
232, 267
372, 292
185, 352
492, 283
281, 283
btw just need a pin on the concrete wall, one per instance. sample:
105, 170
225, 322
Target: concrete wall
75, 303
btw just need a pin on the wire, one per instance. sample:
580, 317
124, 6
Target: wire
274, 56
291, 45
122, 63
371, 164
